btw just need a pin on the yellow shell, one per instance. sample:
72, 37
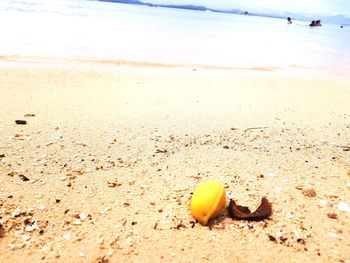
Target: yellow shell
207, 201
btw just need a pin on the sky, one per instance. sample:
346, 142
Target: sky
324, 7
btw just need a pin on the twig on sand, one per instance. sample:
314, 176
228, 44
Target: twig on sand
255, 128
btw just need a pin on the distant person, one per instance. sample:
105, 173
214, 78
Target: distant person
341, 26
289, 21
313, 23
318, 23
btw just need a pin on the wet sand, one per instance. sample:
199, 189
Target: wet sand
104, 169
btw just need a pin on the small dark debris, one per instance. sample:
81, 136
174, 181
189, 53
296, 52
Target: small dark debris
103, 259
58, 200
193, 223
161, 151
21, 122
283, 239
2, 231
155, 225
12, 174
180, 225
41, 231
113, 184
27, 222
24, 178
133, 223
2, 155
226, 147
29, 115
301, 241
272, 238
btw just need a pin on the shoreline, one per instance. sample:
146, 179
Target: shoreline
324, 72
104, 169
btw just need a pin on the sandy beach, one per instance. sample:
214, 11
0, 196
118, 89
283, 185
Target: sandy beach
104, 168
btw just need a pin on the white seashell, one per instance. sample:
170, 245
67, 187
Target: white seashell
344, 207
297, 234
45, 249
325, 203
278, 190
25, 237
82, 216
279, 234
67, 236
271, 174
31, 228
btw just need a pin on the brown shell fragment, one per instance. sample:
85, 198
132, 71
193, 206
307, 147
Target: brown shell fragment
309, 191
243, 212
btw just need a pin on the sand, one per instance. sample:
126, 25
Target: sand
104, 169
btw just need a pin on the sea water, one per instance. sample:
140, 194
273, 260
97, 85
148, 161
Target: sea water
111, 31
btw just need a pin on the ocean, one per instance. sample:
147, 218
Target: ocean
110, 31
